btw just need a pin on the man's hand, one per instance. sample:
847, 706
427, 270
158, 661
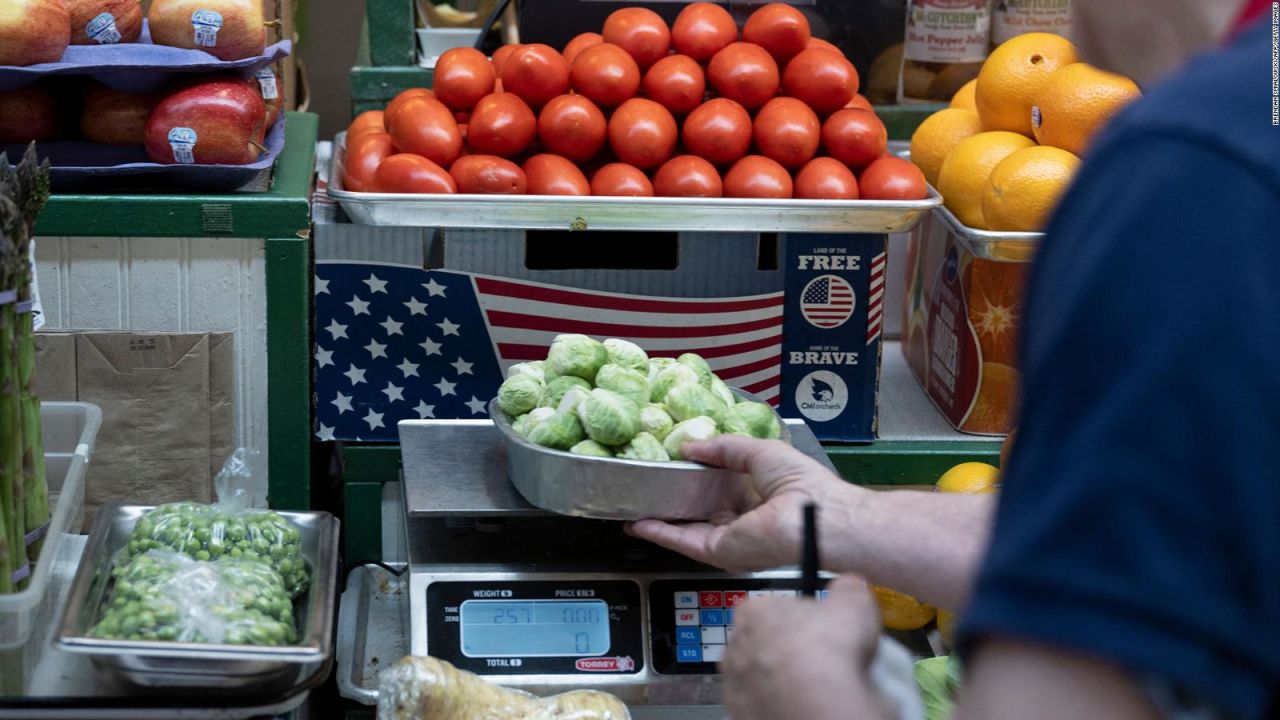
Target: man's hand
766, 536
798, 658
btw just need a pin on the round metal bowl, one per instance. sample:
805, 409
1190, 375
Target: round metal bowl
617, 489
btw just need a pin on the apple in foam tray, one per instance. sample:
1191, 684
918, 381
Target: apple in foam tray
115, 117
33, 31
226, 29
217, 121
27, 114
104, 22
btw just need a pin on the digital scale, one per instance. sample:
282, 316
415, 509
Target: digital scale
548, 603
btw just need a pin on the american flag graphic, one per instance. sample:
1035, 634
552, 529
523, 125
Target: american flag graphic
875, 299
827, 301
394, 342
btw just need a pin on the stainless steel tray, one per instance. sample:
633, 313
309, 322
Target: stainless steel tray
547, 212
614, 489
987, 244
170, 666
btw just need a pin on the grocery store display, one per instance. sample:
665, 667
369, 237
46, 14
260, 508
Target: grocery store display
696, 109
211, 122
1073, 103
963, 177
945, 44
28, 114
1012, 75
973, 478
938, 135
33, 31
610, 399
115, 117
1025, 187
226, 29
966, 96
427, 688
104, 22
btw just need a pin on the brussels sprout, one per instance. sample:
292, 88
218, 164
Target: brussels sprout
561, 431
751, 418
655, 420
657, 365
691, 430
572, 399
527, 422
669, 377
722, 391
609, 418
644, 447
592, 448
630, 384
534, 368
627, 354
689, 401
698, 365
518, 425
519, 394
577, 355
557, 388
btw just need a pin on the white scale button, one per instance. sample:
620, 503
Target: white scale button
713, 636
784, 593
686, 599
728, 635
758, 593
687, 617
712, 653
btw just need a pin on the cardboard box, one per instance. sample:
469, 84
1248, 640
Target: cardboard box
962, 314
416, 323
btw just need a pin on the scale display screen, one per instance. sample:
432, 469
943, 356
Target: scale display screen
534, 628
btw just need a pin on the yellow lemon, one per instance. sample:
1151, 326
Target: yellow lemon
1025, 188
1074, 102
971, 478
963, 177
964, 97
900, 611
1012, 74
938, 135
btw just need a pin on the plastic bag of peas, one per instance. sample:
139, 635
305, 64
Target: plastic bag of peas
167, 596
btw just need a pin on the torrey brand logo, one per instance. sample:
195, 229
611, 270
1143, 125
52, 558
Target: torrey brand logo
821, 396
606, 664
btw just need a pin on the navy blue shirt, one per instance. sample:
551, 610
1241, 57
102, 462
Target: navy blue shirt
1140, 516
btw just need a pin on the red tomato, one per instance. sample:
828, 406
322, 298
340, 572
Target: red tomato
677, 82
462, 76
639, 31
892, 178
642, 133
778, 28
744, 73
424, 126
488, 175
572, 126
393, 107
719, 130
579, 43
817, 42
553, 175
621, 179
854, 137
822, 79
536, 73
363, 157
500, 57
501, 124
826, 178
360, 132
787, 131
860, 102
606, 74
407, 173
756, 176
702, 30
687, 176
368, 118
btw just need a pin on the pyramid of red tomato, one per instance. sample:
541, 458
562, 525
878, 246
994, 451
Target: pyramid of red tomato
697, 109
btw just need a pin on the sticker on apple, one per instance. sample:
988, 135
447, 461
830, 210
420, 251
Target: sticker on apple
102, 29
207, 23
183, 142
267, 81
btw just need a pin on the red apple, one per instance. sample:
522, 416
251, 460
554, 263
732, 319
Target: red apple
27, 114
215, 122
118, 118
33, 31
272, 91
226, 29
104, 22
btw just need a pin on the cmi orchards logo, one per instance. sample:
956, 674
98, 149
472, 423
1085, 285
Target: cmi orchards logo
821, 396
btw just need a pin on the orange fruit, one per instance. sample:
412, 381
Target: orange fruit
938, 135
964, 97
997, 404
900, 611
1012, 74
1074, 102
1025, 187
962, 180
971, 478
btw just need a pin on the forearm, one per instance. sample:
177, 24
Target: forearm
926, 544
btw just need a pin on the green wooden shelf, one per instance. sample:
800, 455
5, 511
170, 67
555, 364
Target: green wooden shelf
373, 87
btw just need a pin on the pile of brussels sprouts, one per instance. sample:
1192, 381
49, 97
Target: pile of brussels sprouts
162, 595
610, 399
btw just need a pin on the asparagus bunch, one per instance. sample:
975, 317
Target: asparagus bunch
24, 494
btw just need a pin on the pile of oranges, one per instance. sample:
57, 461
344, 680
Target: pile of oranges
1007, 148
694, 109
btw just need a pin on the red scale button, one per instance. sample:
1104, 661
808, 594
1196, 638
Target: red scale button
710, 599
733, 599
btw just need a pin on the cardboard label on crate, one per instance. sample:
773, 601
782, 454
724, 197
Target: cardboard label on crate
954, 357
206, 24
267, 82
102, 29
183, 142
947, 31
